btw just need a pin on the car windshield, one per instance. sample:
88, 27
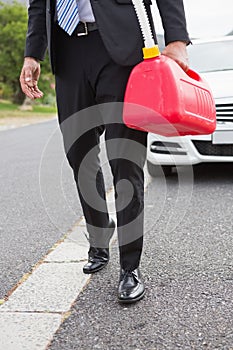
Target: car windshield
211, 57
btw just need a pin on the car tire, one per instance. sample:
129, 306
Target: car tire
159, 170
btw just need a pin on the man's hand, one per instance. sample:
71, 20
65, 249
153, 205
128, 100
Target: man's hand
178, 52
29, 78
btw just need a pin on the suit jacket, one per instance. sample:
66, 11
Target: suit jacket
117, 24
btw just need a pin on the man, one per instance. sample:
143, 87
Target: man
93, 46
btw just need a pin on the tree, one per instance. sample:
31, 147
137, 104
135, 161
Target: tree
13, 24
13, 27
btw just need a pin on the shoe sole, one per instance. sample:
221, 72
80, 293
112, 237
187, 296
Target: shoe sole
131, 301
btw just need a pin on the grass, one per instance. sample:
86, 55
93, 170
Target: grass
5, 105
44, 109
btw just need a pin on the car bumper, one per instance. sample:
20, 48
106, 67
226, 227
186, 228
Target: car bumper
186, 150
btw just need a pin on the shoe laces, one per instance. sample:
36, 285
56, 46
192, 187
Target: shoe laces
130, 273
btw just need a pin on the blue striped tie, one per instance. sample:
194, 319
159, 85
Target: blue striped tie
67, 15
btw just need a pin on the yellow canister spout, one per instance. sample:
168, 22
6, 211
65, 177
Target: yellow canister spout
150, 52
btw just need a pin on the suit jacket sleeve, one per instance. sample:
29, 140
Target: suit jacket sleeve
36, 39
173, 19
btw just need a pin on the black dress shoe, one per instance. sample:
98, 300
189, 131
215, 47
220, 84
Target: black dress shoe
131, 287
99, 257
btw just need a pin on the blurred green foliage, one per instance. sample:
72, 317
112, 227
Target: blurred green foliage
13, 28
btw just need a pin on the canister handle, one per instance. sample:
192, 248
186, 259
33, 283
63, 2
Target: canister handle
194, 75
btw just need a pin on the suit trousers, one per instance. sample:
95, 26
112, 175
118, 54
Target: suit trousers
90, 90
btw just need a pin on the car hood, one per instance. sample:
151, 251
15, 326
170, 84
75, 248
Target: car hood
221, 83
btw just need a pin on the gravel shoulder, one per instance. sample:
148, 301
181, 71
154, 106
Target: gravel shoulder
20, 121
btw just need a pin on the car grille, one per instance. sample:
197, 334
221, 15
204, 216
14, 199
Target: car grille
224, 112
206, 148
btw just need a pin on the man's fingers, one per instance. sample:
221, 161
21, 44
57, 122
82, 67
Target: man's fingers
30, 91
183, 64
37, 92
177, 51
28, 76
33, 92
28, 79
24, 85
27, 91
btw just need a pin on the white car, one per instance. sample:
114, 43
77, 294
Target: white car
213, 59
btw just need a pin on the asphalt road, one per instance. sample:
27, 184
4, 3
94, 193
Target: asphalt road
38, 200
188, 271
187, 260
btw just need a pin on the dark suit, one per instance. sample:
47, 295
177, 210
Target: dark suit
91, 71
118, 27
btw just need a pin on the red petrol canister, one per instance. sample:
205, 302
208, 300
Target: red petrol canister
161, 98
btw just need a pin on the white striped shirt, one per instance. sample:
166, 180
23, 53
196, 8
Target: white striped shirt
85, 11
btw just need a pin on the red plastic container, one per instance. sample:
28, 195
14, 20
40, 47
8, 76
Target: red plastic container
161, 98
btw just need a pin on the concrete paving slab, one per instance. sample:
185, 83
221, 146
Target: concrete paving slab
25, 331
52, 287
68, 252
79, 236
